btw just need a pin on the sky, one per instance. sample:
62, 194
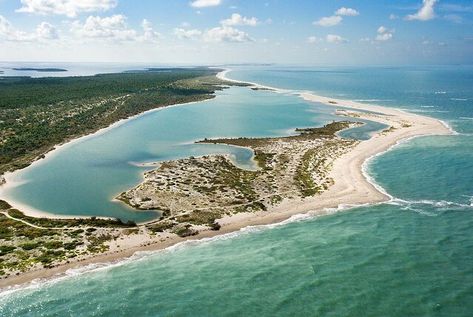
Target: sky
202, 32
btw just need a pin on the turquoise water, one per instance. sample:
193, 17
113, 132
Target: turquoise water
366, 262
410, 257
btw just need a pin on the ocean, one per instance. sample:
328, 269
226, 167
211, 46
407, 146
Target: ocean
411, 256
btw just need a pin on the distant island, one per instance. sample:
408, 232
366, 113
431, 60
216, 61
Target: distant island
45, 70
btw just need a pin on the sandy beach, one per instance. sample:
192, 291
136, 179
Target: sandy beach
352, 186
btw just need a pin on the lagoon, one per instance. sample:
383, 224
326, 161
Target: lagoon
82, 178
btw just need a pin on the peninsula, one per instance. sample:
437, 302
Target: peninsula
313, 171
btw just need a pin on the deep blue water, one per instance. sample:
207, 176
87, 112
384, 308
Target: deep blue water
410, 257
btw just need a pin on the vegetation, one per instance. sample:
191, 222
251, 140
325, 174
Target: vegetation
185, 231
303, 176
23, 246
161, 226
38, 113
262, 159
327, 131
200, 217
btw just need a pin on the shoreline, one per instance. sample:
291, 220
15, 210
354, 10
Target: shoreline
353, 186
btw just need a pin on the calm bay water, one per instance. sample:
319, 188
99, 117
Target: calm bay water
410, 257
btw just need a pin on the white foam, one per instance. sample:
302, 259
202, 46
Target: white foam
372, 100
425, 111
452, 131
442, 204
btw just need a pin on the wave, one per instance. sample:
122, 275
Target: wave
425, 111
372, 100
452, 131
459, 99
440, 92
437, 205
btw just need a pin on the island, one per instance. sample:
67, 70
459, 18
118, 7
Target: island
41, 70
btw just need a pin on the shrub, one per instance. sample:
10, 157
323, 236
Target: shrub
5, 249
29, 245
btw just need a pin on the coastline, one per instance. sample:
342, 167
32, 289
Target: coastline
353, 187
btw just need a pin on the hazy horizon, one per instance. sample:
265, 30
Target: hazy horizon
212, 32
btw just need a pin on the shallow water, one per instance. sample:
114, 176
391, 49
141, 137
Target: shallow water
409, 257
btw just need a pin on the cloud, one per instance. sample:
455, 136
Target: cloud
335, 39
187, 34
347, 12
149, 34
205, 3
217, 34
425, 13
9, 33
328, 21
70, 8
314, 40
393, 17
226, 34
114, 28
237, 19
44, 31
384, 34
336, 18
